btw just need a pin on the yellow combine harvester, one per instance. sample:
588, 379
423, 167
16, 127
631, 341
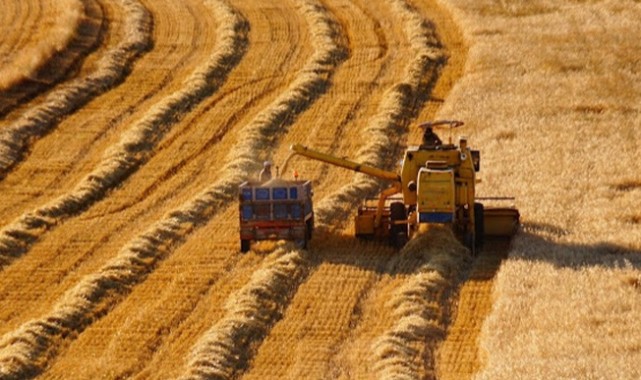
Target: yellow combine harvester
436, 185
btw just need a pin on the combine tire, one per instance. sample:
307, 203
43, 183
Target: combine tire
398, 232
244, 245
479, 225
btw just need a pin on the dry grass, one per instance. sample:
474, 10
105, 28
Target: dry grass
57, 31
551, 97
224, 350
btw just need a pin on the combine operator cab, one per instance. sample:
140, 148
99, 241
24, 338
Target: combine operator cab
275, 210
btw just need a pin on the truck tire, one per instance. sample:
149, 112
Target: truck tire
310, 229
398, 232
479, 224
245, 245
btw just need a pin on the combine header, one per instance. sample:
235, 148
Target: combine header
436, 185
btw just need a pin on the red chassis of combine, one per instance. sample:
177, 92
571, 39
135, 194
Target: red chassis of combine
275, 210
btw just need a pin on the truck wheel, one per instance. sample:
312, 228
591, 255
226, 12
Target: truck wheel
310, 229
244, 245
398, 232
479, 224
302, 244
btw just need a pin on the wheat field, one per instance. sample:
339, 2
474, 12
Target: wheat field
127, 126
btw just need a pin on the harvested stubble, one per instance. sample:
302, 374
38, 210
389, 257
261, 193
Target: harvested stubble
25, 351
111, 70
400, 104
67, 16
552, 89
403, 100
225, 349
137, 145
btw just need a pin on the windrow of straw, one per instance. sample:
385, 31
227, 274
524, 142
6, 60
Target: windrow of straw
225, 350
401, 103
420, 308
26, 351
112, 68
229, 345
76, 30
136, 145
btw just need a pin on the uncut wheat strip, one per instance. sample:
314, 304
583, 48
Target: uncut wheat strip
400, 103
111, 69
419, 308
57, 39
26, 350
136, 145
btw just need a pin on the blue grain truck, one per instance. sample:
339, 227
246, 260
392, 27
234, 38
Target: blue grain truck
274, 210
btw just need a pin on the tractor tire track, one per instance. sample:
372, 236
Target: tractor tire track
58, 63
97, 293
458, 355
134, 148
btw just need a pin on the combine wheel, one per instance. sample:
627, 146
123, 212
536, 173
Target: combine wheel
244, 245
479, 225
398, 232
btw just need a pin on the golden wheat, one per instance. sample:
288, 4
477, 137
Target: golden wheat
135, 146
550, 97
35, 339
111, 69
66, 17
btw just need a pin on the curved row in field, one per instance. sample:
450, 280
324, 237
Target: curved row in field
294, 100
328, 305
71, 313
136, 145
16, 138
70, 31
18, 21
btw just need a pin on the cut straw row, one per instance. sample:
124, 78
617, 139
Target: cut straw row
57, 39
400, 104
26, 351
16, 139
77, 30
136, 145
226, 348
420, 308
